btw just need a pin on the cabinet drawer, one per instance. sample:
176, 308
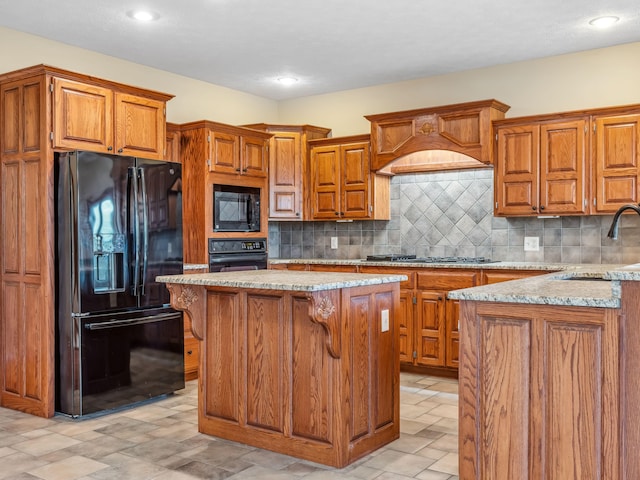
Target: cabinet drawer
406, 285
489, 276
447, 280
191, 355
333, 268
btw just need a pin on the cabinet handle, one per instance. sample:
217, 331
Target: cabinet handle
237, 169
541, 207
337, 213
244, 170
297, 214
189, 352
119, 150
534, 208
109, 148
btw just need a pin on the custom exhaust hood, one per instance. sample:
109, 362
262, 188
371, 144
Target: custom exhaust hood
434, 138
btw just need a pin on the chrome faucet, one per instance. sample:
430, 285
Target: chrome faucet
613, 230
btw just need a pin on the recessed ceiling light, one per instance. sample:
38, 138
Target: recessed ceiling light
143, 15
287, 81
604, 22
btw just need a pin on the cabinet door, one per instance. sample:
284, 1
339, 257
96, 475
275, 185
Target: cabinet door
224, 152
516, 170
452, 334
253, 156
539, 392
82, 116
172, 145
285, 177
430, 331
325, 168
355, 178
405, 327
563, 149
617, 171
140, 126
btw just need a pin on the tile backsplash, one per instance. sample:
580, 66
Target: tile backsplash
451, 214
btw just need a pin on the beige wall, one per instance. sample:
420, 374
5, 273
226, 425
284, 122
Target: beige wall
596, 78
194, 100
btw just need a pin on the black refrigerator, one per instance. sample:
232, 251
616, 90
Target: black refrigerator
118, 226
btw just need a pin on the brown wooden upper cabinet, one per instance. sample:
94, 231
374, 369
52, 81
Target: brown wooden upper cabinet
100, 118
237, 151
572, 163
342, 184
541, 168
617, 152
289, 171
172, 146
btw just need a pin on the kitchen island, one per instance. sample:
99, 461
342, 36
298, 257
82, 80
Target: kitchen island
301, 363
549, 379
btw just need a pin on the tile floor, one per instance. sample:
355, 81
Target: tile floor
159, 440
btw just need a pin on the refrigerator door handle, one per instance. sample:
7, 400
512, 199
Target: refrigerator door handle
136, 232
145, 230
133, 321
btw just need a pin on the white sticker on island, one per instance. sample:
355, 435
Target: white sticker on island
384, 315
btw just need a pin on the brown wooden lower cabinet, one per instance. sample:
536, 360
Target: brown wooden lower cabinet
308, 374
540, 392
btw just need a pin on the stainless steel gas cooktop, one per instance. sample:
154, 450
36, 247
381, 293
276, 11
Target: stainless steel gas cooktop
414, 259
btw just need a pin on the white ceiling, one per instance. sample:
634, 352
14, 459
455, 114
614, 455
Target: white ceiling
330, 45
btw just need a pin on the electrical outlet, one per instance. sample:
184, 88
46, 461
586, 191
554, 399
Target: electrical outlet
384, 323
334, 242
531, 244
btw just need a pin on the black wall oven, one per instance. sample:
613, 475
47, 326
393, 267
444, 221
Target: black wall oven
229, 254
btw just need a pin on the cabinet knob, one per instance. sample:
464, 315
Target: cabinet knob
534, 208
237, 169
119, 150
244, 170
337, 213
541, 207
189, 352
109, 148
297, 214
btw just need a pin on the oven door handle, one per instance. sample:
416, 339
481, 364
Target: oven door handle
130, 322
235, 258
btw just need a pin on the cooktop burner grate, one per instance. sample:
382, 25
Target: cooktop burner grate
414, 259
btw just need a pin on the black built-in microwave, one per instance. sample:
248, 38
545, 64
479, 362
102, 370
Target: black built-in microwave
236, 208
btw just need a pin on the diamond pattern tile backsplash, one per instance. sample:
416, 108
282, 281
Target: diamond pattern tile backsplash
451, 214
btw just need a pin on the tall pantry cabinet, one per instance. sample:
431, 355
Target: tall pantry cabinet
44, 109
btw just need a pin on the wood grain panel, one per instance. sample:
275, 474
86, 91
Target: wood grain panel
384, 362
360, 323
254, 156
617, 159
222, 356
504, 417
311, 373
197, 198
37, 343
265, 361
431, 328
563, 169
11, 119
224, 153
12, 334
83, 116
32, 118
573, 401
439, 279
11, 217
355, 173
140, 124
33, 219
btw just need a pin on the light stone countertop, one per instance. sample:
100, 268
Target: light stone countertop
195, 266
282, 279
586, 285
485, 266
